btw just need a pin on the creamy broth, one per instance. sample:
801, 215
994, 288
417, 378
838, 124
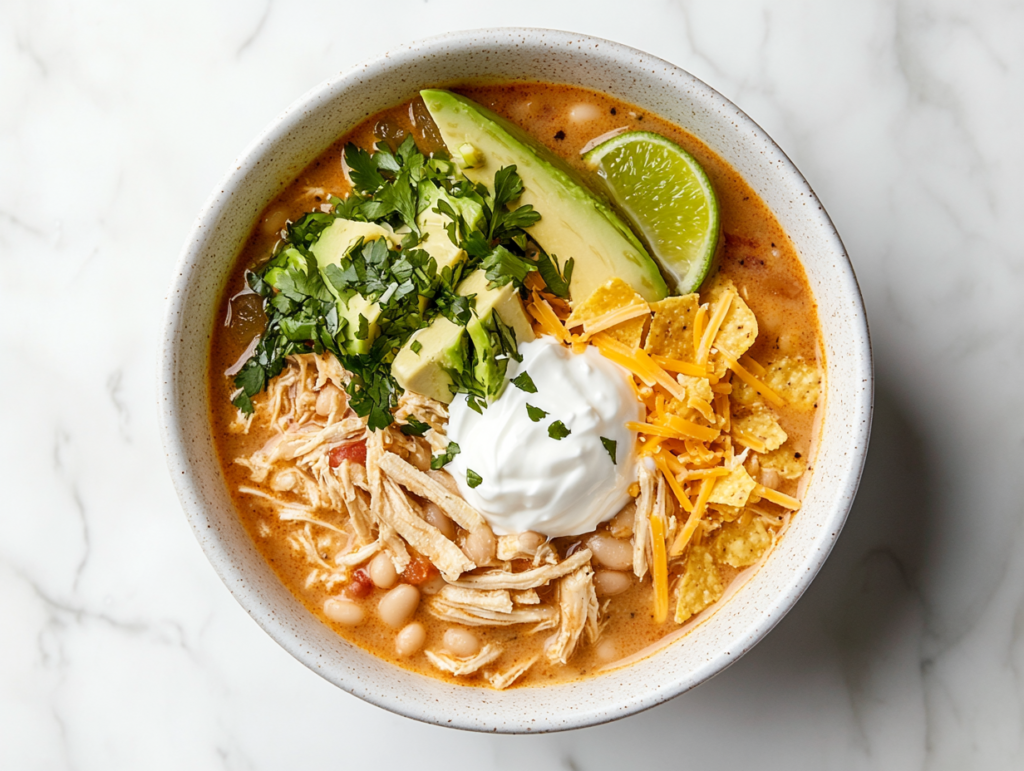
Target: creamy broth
756, 255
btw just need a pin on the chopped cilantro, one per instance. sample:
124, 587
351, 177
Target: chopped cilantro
524, 382
557, 430
442, 459
307, 307
557, 279
472, 478
414, 427
536, 413
610, 445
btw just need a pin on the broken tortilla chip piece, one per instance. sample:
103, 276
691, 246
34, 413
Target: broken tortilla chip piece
762, 426
733, 489
611, 296
785, 461
700, 586
791, 377
741, 543
671, 332
725, 512
739, 327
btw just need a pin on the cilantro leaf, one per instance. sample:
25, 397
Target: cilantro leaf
442, 459
472, 478
362, 169
508, 186
536, 413
414, 427
503, 267
524, 382
557, 280
557, 430
610, 445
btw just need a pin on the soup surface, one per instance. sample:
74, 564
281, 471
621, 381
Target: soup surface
313, 522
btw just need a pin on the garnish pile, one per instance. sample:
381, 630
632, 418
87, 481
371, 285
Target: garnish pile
304, 302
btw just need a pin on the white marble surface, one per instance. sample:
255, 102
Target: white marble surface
120, 648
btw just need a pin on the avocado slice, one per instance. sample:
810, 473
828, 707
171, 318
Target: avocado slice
440, 343
333, 244
574, 222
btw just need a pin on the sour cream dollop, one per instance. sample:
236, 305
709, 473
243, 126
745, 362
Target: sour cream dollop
556, 487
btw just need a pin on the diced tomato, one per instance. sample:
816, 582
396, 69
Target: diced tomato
360, 586
419, 571
354, 452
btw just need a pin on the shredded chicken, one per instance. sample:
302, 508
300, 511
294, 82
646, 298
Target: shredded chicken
503, 679
393, 544
642, 523
421, 484
498, 600
578, 610
432, 412
397, 512
526, 597
544, 616
461, 667
527, 579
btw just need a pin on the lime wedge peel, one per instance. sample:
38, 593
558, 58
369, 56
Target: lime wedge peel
667, 197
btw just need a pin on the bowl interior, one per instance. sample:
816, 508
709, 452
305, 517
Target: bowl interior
304, 131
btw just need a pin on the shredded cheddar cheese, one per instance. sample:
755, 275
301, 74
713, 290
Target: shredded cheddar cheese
683, 539
708, 338
773, 398
659, 569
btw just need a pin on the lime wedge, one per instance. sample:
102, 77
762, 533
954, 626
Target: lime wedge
669, 199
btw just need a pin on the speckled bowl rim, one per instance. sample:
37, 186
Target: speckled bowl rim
490, 714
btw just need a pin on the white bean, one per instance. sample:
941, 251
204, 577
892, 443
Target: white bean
771, 478
397, 606
481, 545
420, 456
530, 541
611, 552
461, 642
344, 612
433, 586
622, 523
607, 651
410, 639
432, 513
608, 583
382, 571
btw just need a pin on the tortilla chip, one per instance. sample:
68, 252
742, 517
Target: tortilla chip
741, 543
700, 586
614, 293
794, 379
726, 513
733, 489
739, 327
671, 332
761, 424
696, 388
784, 461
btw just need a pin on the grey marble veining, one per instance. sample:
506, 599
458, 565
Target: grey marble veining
119, 647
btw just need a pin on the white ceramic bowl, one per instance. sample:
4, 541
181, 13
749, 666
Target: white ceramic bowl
307, 128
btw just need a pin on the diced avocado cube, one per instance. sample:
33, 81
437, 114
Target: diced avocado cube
440, 344
432, 224
331, 247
